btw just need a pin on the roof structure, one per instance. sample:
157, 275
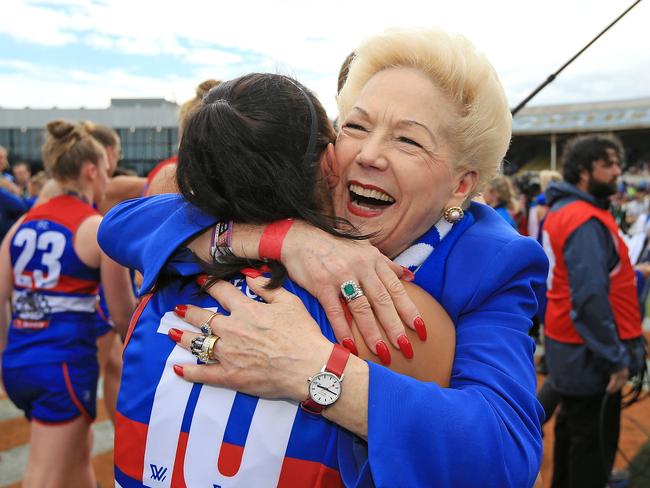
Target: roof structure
583, 117
122, 113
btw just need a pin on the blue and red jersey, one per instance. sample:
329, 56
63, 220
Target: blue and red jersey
172, 433
55, 293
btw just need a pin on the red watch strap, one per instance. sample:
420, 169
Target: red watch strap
337, 361
336, 365
270, 246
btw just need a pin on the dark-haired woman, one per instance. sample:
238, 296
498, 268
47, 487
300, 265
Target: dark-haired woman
168, 429
50, 266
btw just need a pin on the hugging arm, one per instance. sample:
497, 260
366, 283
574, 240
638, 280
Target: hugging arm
151, 229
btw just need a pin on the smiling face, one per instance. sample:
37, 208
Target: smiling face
393, 162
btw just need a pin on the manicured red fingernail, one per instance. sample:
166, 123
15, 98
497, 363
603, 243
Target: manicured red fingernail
179, 370
408, 274
383, 352
202, 279
251, 272
405, 346
420, 328
350, 345
264, 269
175, 334
180, 310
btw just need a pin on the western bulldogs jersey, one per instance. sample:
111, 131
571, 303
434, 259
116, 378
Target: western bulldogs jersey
55, 293
173, 433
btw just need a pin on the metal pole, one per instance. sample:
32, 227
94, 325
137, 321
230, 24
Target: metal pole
552, 77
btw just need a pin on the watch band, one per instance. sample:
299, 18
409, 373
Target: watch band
336, 365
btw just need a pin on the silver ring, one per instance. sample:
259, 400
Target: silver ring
351, 290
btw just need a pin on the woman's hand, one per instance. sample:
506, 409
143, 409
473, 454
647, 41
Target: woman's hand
264, 349
320, 263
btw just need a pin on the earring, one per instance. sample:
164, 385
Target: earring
453, 215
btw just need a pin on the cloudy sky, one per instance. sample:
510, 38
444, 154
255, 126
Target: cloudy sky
73, 53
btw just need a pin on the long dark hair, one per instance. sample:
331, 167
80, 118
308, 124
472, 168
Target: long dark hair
251, 153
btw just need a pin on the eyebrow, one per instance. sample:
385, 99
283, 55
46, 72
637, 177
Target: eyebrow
406, 122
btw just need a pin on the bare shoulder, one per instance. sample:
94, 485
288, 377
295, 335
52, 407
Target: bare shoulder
432, 359
164, 181
85, 241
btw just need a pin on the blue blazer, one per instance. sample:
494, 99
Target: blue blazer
485, 429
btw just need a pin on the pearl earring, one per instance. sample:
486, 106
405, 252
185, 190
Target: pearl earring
453, 215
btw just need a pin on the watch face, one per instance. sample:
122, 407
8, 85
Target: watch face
325, 388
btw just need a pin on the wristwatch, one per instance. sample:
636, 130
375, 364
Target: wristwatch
325, 386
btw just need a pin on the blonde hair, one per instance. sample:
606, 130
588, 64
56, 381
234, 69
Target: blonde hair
105, 135
67, 146
546, 177
480, 131
503, 188
188, 107
36, 183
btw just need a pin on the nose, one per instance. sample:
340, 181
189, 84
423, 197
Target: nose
372, 153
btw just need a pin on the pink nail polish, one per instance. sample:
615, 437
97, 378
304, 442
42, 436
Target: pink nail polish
405, 346
383, 352
420, 328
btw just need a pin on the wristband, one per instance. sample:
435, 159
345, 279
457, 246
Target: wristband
270, 246
221, 240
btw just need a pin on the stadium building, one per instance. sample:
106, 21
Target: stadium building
539, 133
148, 129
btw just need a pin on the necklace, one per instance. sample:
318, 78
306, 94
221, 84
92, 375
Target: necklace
77, 195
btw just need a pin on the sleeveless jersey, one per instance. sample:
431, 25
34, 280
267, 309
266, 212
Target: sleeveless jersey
55, 293
559, 225
173, 433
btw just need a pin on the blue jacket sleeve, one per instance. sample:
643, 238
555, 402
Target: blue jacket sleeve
143, 233
484, 430
15, 206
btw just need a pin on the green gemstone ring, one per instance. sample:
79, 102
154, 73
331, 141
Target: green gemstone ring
351, 290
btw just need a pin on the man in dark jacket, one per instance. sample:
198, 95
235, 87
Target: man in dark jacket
593, 323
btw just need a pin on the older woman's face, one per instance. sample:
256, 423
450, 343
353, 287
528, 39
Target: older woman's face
393, 160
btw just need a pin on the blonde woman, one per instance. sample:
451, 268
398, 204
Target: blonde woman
50, 266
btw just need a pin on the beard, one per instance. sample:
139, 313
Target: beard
601, 191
